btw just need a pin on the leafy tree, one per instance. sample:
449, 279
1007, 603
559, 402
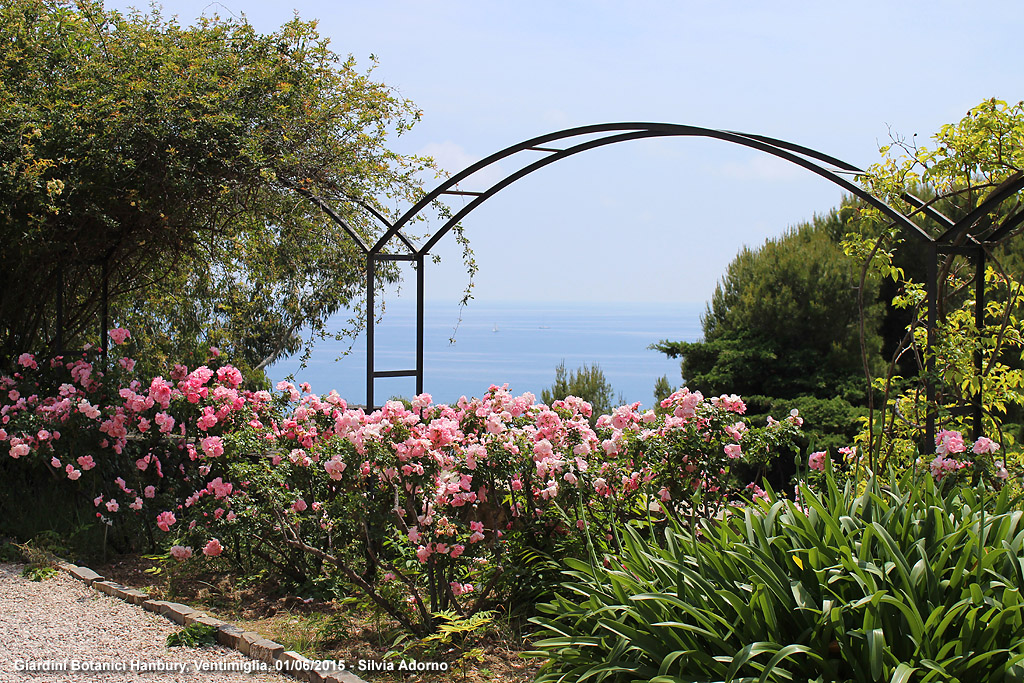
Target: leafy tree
662, 389
782, 322
782, 328
587, 382
971, 160
169, 160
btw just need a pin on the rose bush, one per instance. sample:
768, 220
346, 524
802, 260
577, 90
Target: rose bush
421, 506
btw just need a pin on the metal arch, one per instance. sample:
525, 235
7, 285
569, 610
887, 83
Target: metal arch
812, 160
797, 154
823, 165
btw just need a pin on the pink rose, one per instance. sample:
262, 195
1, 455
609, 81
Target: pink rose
213, 446
119, 335
985, 445
181, 553
213, 548
165, 519
817, 461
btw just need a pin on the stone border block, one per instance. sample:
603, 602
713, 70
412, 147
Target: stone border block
209, 621
265, 650
176, 612
295, 665
85, 575
246, 641
153, 605
107, 587
194, 617
135, 597
229, 635
347, 677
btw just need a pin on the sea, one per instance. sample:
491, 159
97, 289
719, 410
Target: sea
517, 342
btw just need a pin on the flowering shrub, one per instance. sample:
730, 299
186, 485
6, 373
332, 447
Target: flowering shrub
956, 462
418, 505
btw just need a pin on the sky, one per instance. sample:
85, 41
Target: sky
656, 220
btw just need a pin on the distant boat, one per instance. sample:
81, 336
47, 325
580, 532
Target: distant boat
495, 327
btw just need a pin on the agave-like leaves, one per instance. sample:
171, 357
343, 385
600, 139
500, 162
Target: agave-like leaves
897, 582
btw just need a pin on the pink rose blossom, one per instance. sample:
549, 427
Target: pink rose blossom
335, 466
165, 519
985, 445
948, 442
181, 553
149, 492
213, 548
119, 335
817, 461
213, 446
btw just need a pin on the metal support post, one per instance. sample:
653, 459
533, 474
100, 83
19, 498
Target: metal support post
59, 332
420, 304
105, 313
370, 264
979, 323
929, 368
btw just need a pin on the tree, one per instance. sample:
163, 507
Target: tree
782, 330
169, 161
587, 382
783, 320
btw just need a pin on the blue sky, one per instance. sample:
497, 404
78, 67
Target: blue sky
656, 220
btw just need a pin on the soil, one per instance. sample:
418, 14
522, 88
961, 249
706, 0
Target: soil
347, 630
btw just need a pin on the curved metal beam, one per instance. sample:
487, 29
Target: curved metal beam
796, 154
1005, 190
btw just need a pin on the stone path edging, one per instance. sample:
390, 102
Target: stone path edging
248, 643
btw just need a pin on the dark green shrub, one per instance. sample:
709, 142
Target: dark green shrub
898, 583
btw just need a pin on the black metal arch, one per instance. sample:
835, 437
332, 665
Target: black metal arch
957, 237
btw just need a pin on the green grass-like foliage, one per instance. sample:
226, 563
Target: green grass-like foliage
39, 572
899, 583
193, 635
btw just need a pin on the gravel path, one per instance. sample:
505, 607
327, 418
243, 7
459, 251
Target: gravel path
62, 621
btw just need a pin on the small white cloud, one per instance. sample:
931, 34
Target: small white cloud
761, 167
557, 118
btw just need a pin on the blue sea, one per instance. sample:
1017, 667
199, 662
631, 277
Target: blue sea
520, 343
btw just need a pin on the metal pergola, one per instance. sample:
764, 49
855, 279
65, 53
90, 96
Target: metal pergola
969, 236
